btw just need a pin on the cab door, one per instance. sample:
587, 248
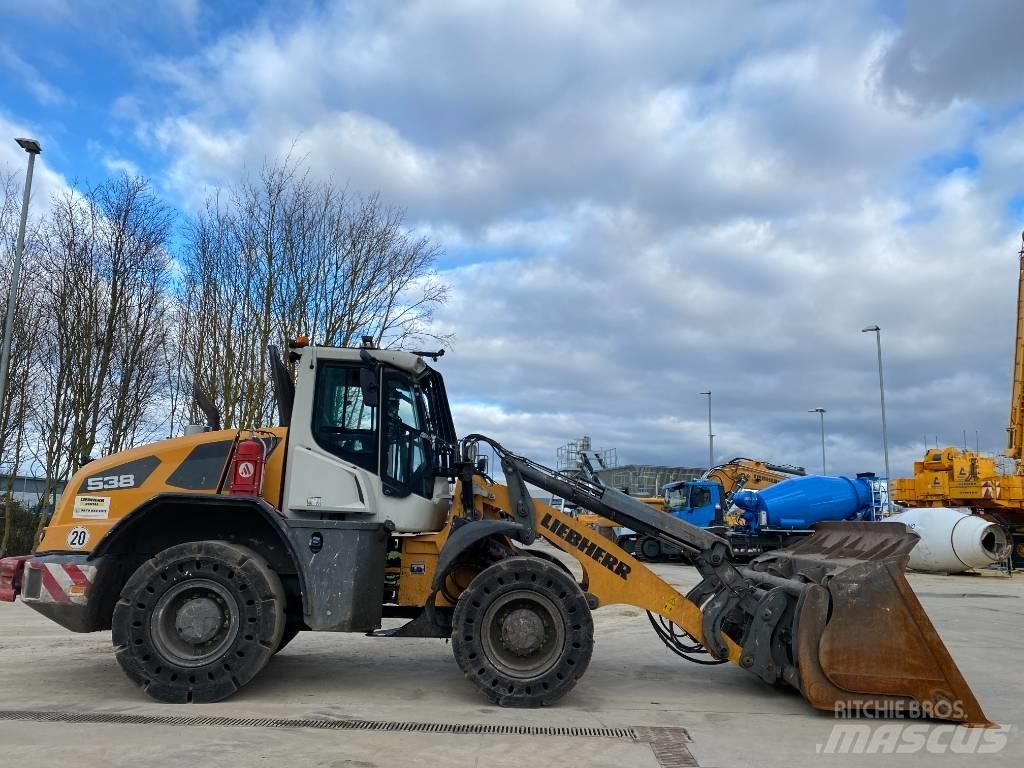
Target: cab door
333, 446
407, 456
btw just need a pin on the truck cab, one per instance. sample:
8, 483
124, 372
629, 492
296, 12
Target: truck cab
694, 501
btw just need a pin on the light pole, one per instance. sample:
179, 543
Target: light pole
32, 147
821, 412
711, 436
881, 393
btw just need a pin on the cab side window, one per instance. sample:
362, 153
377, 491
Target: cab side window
343, 423
407, 457
700, 496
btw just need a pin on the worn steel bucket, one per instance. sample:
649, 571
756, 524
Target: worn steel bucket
861, 642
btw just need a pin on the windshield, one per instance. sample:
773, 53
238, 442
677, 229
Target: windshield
676, 496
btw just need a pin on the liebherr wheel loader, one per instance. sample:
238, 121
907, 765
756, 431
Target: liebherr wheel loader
205, 554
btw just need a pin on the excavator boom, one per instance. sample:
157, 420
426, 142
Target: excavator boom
832, 616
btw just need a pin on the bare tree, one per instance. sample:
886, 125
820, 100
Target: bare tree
8, 232
112, 334
136, 326
280, 255
99, 369
15, 402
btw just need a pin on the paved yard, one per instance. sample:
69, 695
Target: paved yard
730, 719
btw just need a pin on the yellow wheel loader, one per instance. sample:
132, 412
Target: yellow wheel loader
205, 554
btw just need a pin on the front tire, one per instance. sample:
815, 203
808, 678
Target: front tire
522, 632
198, 621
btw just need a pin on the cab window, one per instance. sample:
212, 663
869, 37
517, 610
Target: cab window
700, 496
407, 464
343, 423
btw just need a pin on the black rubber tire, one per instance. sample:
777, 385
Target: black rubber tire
566, 605
548, 557
249, 641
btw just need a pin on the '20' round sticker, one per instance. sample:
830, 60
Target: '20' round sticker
78, 537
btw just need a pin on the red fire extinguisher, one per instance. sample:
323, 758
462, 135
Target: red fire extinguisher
247, 468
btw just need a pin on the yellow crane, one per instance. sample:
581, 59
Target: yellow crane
951, 477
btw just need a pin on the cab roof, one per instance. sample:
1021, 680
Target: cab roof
409, 362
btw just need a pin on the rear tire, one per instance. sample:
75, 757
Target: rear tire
522, 632
198, 621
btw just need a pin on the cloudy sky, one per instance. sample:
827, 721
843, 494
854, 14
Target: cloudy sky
637, 201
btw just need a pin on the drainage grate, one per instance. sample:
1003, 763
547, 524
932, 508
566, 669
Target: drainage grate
668, 744
118, 718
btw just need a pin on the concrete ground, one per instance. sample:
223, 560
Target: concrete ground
732, 719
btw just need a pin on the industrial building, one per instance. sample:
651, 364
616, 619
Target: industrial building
635, 479
28, 491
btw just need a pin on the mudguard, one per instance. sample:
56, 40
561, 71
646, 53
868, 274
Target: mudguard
468, 534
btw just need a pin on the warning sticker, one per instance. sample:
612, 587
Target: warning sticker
91, 507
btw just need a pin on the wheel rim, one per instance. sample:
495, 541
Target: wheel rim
523, 634
194, 622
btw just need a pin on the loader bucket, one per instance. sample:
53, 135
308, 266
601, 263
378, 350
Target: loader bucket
861, 639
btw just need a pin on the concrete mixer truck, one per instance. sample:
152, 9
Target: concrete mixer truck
952, 540
780, 508
706, 503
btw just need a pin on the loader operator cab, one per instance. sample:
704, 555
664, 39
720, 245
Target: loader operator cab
370, 438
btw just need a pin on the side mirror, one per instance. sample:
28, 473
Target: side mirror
370, 386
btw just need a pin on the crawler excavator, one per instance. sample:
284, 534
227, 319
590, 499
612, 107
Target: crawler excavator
951, 477
204, 554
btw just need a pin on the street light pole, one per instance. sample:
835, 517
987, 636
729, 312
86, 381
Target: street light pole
881, 393
711, 436
821, 412
32, 147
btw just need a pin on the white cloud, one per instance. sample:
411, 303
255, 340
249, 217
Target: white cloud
20, 71
949, 52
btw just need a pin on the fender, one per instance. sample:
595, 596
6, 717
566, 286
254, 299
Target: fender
468, 534
242, 505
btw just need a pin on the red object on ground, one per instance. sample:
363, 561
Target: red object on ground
11, 570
